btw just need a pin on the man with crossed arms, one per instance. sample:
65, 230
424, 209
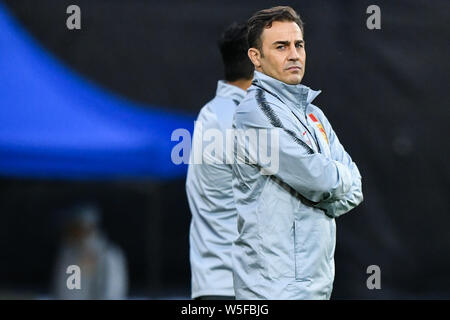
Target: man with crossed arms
286, 219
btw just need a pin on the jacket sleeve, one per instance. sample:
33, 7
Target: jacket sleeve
313, 175
336, 208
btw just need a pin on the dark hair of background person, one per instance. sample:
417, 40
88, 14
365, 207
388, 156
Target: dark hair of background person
233, 47
264, 18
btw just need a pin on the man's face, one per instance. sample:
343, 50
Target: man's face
283, 53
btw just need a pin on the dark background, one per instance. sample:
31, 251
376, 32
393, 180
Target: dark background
386, 93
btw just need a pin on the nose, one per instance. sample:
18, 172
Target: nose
293, 53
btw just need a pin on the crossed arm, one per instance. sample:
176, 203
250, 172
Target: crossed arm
336, 208
333, 184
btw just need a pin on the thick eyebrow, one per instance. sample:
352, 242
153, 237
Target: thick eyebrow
286, 43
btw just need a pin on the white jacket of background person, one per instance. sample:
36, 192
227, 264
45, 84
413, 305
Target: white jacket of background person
287, 232
210, 195
103, 271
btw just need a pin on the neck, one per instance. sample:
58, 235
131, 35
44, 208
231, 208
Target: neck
241, 83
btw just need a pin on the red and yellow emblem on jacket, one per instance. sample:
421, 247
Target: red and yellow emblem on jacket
319, 126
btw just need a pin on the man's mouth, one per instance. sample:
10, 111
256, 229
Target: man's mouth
294, 68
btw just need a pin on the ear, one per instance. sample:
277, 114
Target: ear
255, 57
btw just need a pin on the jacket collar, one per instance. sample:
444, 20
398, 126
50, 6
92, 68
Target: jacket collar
229, 91
298, 95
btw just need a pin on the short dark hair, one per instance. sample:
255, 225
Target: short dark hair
233, 47
264, 18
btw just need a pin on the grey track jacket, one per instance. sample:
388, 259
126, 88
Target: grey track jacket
286, 226
210, 196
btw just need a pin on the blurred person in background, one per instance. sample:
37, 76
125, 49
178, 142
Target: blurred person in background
102, 265
286, 218
208, 185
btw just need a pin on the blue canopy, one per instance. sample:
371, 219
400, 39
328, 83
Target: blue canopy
54, 124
